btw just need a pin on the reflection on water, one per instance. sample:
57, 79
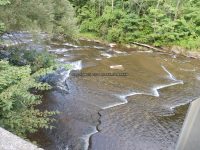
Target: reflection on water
144, 110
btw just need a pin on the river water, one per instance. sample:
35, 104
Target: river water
142, 110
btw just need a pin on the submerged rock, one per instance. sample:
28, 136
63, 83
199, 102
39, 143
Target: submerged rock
177, 50
112, 44
4, 54
119, 67
57, 80
193, 55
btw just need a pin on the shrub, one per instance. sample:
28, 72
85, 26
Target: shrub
114, 35
17, 104
35, 59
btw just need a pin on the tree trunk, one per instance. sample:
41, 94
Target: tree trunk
99, 8
177, 9
112, 5
155, 20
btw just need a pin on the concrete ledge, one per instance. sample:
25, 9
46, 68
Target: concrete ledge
190, 136
9, 141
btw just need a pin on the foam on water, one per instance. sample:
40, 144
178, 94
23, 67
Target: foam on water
119, 67
156, 89
198, 77
112, 45
67, 55
123, 99
10, 43
155, 92
67, 147
77, 65
169, 74
87, 40
115, 104
59, 50
86, 137
98, 59
53, 43
106, 55
61, 60
188, 70
173, 56
98, 47
67, 73
147, 51
71, 45
119, 52
180, 104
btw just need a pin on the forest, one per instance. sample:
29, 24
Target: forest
154, 22
160, 23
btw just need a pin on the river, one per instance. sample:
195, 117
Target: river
143, 109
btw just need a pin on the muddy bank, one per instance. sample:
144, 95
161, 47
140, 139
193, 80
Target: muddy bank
175, 50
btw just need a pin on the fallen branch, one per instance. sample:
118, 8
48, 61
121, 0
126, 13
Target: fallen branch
151, 47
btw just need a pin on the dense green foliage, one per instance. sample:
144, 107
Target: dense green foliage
39, 15
20, 74
2, 26
36, 60
157, 22
18, 111
17, 103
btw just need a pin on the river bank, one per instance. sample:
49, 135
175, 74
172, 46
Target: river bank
173, 49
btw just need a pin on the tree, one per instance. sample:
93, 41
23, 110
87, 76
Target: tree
112, 5
154, 22
177, 9
64, 18
39, 15
17, 104
2, 26
4, 2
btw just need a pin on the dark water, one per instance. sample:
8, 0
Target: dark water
144, 110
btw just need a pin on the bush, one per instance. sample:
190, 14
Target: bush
2, 27
114, 35
158, 23
190, 43
50, 16
17, 104
35, 59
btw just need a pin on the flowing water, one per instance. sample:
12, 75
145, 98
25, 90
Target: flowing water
143, 109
